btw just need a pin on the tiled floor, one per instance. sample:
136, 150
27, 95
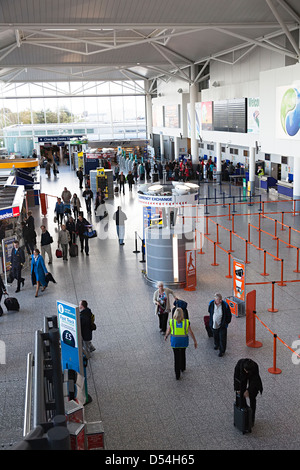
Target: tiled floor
130, 376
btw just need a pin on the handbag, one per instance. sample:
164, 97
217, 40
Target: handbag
58, 253
90, 233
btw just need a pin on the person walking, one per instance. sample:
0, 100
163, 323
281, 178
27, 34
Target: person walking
219, 319
87, 327
119, 217
46, 241
76, 205
17, 261
64, 240
81, 227
247, 383
29, 238
122, 181
88, 197
70, 226
2, 291
66, 197
38, 272
79, 175
59, 210
179, 329
130, 180
161, 300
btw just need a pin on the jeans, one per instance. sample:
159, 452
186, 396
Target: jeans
121, 233
220, 338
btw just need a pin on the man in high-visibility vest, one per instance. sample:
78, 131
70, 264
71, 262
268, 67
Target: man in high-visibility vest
179, 329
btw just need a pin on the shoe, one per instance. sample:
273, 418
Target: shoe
221, 354
18, 290
216, 347
50, 262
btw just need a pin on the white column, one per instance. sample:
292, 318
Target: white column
176, 147
148, 112
252, 169
162, 150
219, 158
296, 182
193, 99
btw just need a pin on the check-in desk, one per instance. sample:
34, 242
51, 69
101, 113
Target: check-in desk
267, 182
285, 189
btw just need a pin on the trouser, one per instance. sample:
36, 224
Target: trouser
29, 247
122, 185
88, 348
163, 320
17, 275
88, 205
121, 233
47, 249
64, 249
60, 217
84, 244
220, 338
179, 361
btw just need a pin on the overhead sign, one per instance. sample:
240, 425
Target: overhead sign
70, 336
170, 200
61, 138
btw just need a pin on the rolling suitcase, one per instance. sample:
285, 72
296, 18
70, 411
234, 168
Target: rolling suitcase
207, 327
73, 250
58, 253
12, 304
242, 416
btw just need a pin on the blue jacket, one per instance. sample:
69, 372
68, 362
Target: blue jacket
38, 270
226, 317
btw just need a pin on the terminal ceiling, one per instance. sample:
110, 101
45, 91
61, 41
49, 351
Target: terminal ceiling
99, 40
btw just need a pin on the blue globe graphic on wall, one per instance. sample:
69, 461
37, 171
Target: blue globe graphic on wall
290, 112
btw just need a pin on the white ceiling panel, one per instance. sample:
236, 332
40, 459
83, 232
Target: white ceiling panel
145, 37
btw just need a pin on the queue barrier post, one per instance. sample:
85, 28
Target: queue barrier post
282, 217
281, 283
229, 276
246, 257
289, 245
136, 249
201, 252
273, 309
297, 267
215, 256
230, 241
265, 263
274, 369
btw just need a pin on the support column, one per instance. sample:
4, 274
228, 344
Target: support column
252, 169
162, 149
176, 148
219, 162
148, 113
193, 99
296, 182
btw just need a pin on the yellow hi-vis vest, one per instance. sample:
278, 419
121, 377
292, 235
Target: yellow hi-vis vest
179, 333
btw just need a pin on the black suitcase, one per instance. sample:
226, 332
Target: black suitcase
73, 250
12, 304
242, 416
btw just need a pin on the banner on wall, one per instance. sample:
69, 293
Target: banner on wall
239, 279
253, 115
288, 112
207, 115
190, 267
70, 336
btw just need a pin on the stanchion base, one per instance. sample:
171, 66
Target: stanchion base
296, 271
230, 251
229, 277
202, 253
281, 284
273, 370
264, 274
273, 310
254, 344
247, 262
214, 264
136, 251
190, 289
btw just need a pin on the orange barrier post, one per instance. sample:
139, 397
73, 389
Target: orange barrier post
282, 227
248, 232
230, 241
297, 268
275, 229
246, 257
229, 276
206, 233
215, 257
250, 320
281, 283
274, 369
272, 309
289, 245
277, 251
265, 262
229, 215
232, 223
201, 252
217, 227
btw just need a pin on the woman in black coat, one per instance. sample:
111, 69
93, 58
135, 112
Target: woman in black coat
248, 383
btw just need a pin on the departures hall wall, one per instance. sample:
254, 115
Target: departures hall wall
280, 111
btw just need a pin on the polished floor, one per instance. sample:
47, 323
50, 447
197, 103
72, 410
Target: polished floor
131, 376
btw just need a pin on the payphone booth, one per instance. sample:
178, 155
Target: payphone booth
102, 181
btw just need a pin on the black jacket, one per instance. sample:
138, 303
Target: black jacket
46, 238
17, 259
81, 227
226, 317
250, 381
86, 324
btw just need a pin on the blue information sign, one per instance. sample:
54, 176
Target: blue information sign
70, 336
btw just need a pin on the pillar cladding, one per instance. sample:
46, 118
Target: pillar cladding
165, 255
296, 185
252, 170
